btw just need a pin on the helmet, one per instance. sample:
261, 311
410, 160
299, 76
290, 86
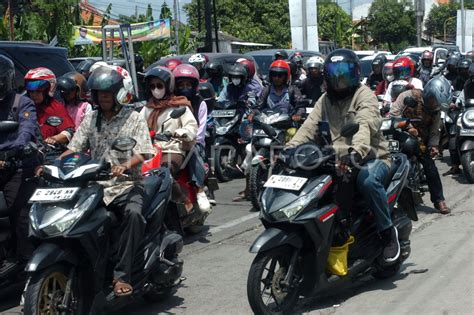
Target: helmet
452, 62
403, 68
80, 82
125, 95
7, 76
437, 94
97, 65
280, 54
105, 79
139, 62
238, 70
280, 66
428, 57
39, 77
379, 61
470, 55
214, 69
198, 60
398, 87
162, 73
314, 62
206, 91
464, 64
185, 71
341, 73
85, 67
171, 64
249, 65
297, 57
387, 71
66, 84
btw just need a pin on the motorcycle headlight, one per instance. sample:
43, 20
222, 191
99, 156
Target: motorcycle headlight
468, 118
33, 219
66, 221
295, 207
386, 124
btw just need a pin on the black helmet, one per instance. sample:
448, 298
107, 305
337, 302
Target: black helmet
238, 70
342, 73
66, 84
214, 69
81, 83
453, 61
164, 75
280, 54
206, 90
105, 79
7, 76
139, 63
379, 61
85, 66
464, 64
398, 87
437, 94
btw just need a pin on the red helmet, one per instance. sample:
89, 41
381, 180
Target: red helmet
280, 66
249, 65
186, 71
39, 77
403, 68
427, 55
171, 64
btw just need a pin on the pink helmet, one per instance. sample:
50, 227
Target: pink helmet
186, 71
171, 64
39, 77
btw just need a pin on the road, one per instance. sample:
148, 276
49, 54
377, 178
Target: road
436, 279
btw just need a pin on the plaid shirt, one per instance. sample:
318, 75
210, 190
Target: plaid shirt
127, 123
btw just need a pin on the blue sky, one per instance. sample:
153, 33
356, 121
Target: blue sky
127, 7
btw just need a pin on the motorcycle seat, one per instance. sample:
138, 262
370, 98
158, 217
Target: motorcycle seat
152, 185
396, 162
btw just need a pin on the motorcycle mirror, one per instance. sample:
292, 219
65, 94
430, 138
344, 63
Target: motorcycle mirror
178, 112
124, 144
349, 129
268, 130
8, 125
54, 121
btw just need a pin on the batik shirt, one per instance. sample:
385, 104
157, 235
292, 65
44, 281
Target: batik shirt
127, 123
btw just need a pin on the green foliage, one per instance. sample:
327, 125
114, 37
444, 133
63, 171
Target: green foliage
165, 12
437, 17
334, 24
392, 22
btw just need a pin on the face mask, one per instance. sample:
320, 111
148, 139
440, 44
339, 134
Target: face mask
390, 77
236, 81
158, 93
188, 93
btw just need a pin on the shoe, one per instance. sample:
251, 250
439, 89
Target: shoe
212, 201
452, 171
391, 251
442, 207
203, 202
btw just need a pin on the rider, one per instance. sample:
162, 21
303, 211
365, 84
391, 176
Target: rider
436, 95
238, 88
73, 89
215, 74
280, 55
186, 84
348, 100
199, 61
426, 67
122, 195
254, 81
388, 77
300, 73
159, 83
463, 74
451, 72
16, 189
376, 75
313, 86
403, 69
40, 84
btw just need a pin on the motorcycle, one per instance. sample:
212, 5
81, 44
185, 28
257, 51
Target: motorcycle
72, 268
302, 222
182, 221
465, 139
448, 132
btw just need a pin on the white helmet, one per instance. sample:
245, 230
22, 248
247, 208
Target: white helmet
197, 58
97, 65
125, 95
314, 62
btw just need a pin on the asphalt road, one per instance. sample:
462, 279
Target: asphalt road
438, 277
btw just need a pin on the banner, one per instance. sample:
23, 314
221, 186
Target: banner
87, 35
304, 24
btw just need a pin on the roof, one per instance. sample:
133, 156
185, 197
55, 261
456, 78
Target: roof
290, 52
87, 10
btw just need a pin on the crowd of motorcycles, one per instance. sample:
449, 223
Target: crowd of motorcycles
301, 223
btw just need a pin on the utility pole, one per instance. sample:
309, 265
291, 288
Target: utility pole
199, 16
208, 24
10, 11
176, 25
419, 13
136, 13
463, 27
216, 26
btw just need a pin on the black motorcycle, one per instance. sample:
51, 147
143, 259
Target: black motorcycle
71, 270
465, 140
302, 222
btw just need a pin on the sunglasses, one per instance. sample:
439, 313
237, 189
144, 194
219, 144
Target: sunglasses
158, 86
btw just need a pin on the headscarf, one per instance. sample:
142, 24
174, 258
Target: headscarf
159, 106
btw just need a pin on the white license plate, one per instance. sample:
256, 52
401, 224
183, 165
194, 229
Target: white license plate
223, 113
393, 146
259, 132
54, 194
286, 182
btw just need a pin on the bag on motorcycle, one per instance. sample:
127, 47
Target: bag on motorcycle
337, 259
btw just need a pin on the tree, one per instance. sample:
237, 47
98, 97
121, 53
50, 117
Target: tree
437, 18
392, 22
333, 24
165, 12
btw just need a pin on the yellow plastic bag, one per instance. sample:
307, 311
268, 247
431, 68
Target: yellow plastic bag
337, 259
290, 133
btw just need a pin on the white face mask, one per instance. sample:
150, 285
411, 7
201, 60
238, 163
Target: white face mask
158, 93
236, 81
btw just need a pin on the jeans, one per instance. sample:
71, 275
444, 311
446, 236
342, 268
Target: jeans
432, 177
196, 166
370, 184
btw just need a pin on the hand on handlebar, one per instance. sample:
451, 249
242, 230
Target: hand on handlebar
119, 170
346, 162
413, 132
51, 140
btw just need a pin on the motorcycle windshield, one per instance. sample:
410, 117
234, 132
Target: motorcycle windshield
271, 117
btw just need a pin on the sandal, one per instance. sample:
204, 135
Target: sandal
122, 288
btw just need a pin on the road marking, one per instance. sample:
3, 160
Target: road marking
233, 223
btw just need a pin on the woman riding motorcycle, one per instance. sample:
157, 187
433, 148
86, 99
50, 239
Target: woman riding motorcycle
159, 83
426, 67
403, 69
388, 77
376, 75
73, 89
215, 74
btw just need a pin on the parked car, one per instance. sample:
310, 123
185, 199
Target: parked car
366, 53
29, 55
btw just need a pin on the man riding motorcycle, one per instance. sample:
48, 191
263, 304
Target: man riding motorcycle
347, 100
426, 67
199, 61
238, 88
122, 195
313, 86
426, 105
376, 75
16, 189
451, 71
403, 69
463, 74
215, 74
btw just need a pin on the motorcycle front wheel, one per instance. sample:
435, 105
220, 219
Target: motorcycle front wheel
45, 292
226, 159
258, 178
266, 291
467, 161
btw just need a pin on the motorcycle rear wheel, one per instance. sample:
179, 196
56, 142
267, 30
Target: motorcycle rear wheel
467, 161
284, 298
226, 157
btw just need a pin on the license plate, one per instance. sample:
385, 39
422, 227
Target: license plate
223, 113
286, 182
393, 146
54, 194
466, 132
259, 132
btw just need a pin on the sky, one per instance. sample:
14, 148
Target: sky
127, 7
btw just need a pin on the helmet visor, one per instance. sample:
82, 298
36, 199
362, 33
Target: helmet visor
402, 73
342, 75
36, 85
